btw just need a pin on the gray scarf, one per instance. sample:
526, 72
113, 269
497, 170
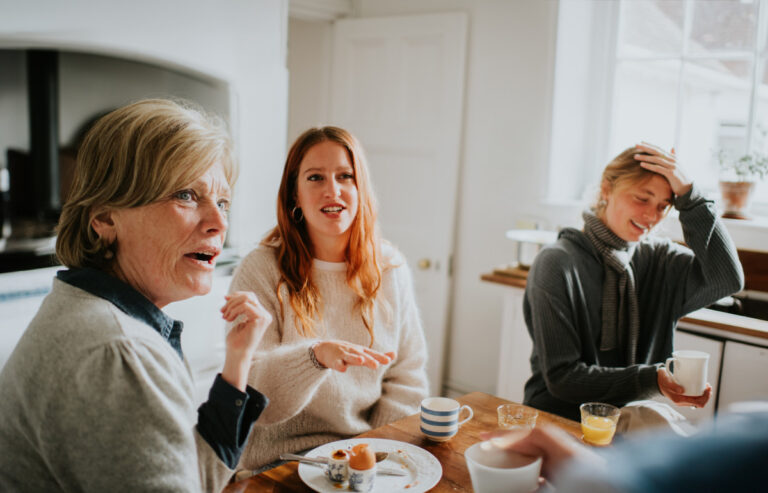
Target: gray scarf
620, 314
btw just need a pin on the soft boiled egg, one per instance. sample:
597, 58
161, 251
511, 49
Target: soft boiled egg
362, 458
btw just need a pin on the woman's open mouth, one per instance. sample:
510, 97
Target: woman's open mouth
332, 209
205, 256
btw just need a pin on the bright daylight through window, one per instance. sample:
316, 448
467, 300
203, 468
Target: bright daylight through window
685, 73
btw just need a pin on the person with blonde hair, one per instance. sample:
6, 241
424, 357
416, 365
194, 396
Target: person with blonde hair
97, 395
601, 304
345, 351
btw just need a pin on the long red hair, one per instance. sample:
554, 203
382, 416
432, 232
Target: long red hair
294, 248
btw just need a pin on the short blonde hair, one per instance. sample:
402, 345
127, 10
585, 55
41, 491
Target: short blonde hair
623, 171
132, 157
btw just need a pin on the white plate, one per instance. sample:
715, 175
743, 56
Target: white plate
426, 475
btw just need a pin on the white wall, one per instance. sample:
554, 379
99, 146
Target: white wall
309, 49
507, 111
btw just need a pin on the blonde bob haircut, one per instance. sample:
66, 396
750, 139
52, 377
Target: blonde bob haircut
622, 172
132, 157
294, 248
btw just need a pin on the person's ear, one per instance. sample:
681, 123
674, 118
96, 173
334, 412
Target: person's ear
103, 223
605, 190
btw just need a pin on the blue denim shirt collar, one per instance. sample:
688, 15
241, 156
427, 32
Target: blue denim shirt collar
127, 299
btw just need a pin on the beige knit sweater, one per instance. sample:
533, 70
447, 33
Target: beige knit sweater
311, 406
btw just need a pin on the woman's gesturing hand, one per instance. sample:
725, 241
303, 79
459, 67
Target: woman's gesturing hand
665, 164
339, 355
250, 321
674, 392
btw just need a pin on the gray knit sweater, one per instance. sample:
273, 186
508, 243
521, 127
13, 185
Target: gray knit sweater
562, 309
138, 437
311, 406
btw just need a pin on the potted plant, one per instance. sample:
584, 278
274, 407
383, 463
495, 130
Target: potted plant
737, 180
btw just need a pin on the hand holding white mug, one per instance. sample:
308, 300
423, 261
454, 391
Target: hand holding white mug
339, 355
676, 392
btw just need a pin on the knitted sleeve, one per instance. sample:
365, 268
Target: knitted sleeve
710, 269
140, 431
282, 371
405, 382
559, 328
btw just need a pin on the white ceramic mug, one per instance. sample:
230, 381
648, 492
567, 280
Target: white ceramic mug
494, 470
689, 369
440, 418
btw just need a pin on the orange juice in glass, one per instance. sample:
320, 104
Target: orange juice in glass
598, 422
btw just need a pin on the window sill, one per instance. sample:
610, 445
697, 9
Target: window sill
747, 234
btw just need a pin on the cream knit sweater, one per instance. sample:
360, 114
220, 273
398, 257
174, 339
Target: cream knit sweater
311, 406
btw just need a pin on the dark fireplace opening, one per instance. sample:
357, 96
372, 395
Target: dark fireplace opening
48, 101
32, 199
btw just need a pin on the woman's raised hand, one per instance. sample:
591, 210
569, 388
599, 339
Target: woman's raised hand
664, 163
674, 392
339, 355
250, 321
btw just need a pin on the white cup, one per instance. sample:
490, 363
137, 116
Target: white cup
689, 369
440, 418
495, 470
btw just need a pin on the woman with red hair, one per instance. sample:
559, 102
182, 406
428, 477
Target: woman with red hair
345, 352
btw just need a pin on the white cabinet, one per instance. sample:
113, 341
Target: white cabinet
21, 294
745, 374
514, 349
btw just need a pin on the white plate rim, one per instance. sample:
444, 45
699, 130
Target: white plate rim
427, 479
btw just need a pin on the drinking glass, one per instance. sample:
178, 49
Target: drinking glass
514, 417
598, 422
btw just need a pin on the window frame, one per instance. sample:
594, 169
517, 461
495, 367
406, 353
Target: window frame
604, 60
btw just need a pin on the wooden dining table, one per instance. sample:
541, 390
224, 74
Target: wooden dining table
285, 478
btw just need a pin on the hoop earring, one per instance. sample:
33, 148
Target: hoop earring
300, 217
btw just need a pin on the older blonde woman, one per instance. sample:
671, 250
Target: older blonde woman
97, 395
602, 304
345, 352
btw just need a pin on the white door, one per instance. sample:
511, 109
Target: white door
398, 85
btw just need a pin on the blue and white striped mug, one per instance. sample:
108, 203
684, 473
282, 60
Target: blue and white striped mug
440, 418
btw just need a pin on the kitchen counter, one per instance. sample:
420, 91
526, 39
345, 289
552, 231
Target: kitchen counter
727, 322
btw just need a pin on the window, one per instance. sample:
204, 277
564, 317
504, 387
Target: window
689, 74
